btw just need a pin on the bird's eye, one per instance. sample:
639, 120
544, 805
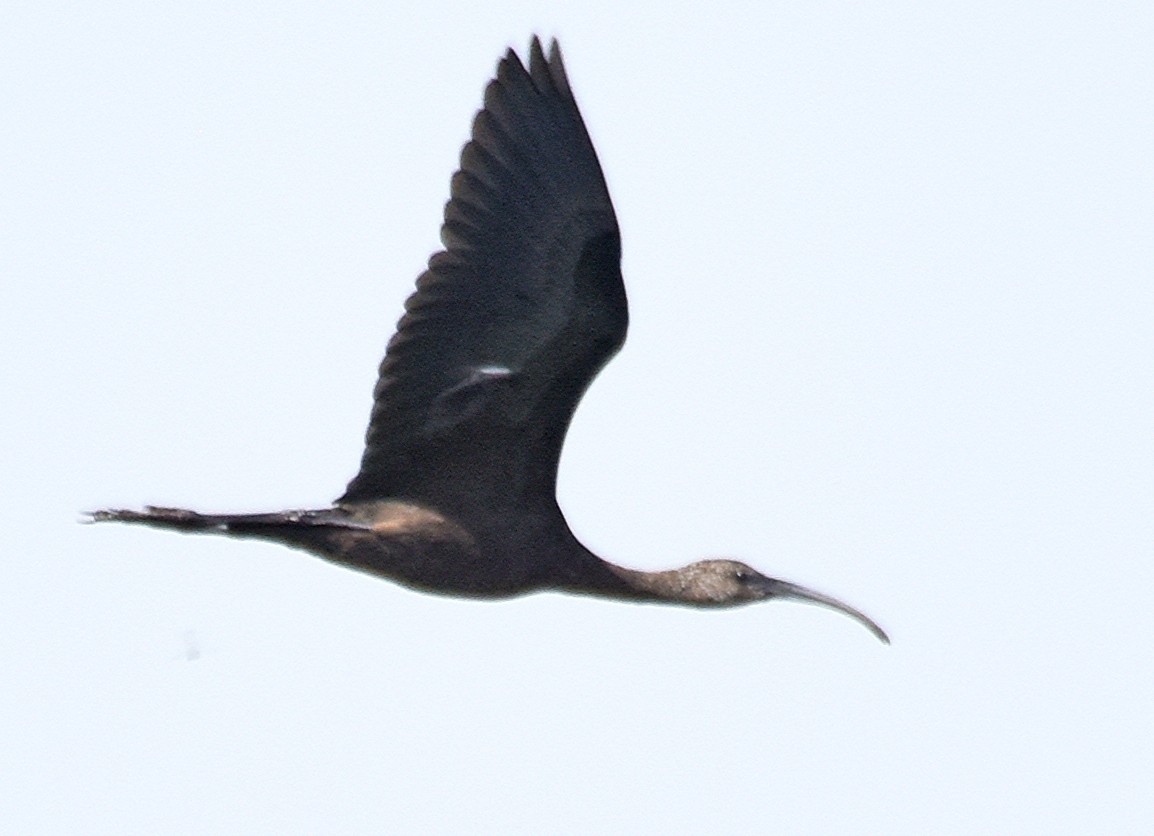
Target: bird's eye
741, 575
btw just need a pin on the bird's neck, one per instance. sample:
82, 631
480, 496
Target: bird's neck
612, 581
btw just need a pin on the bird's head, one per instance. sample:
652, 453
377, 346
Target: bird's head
730, 583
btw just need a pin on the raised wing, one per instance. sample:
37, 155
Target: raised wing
510, 322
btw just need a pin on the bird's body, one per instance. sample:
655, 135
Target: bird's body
487, 556
509, 325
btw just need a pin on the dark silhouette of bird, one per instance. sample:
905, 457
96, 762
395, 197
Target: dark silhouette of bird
509, 324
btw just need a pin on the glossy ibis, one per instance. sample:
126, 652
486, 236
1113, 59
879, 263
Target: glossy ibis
508, 325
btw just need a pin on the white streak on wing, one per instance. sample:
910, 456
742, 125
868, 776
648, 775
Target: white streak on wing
481, 372
466, 399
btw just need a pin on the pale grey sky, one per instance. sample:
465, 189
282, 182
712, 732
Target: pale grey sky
891, 269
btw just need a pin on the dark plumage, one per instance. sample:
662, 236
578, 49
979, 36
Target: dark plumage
510, 323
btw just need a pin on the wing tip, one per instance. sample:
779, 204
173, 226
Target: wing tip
545, 69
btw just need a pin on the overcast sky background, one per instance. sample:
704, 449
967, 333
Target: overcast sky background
891, 274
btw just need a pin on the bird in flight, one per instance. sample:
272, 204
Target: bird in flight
509, 324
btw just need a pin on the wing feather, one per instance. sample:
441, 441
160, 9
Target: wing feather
513, 319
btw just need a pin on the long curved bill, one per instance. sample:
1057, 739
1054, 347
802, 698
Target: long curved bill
785, 589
